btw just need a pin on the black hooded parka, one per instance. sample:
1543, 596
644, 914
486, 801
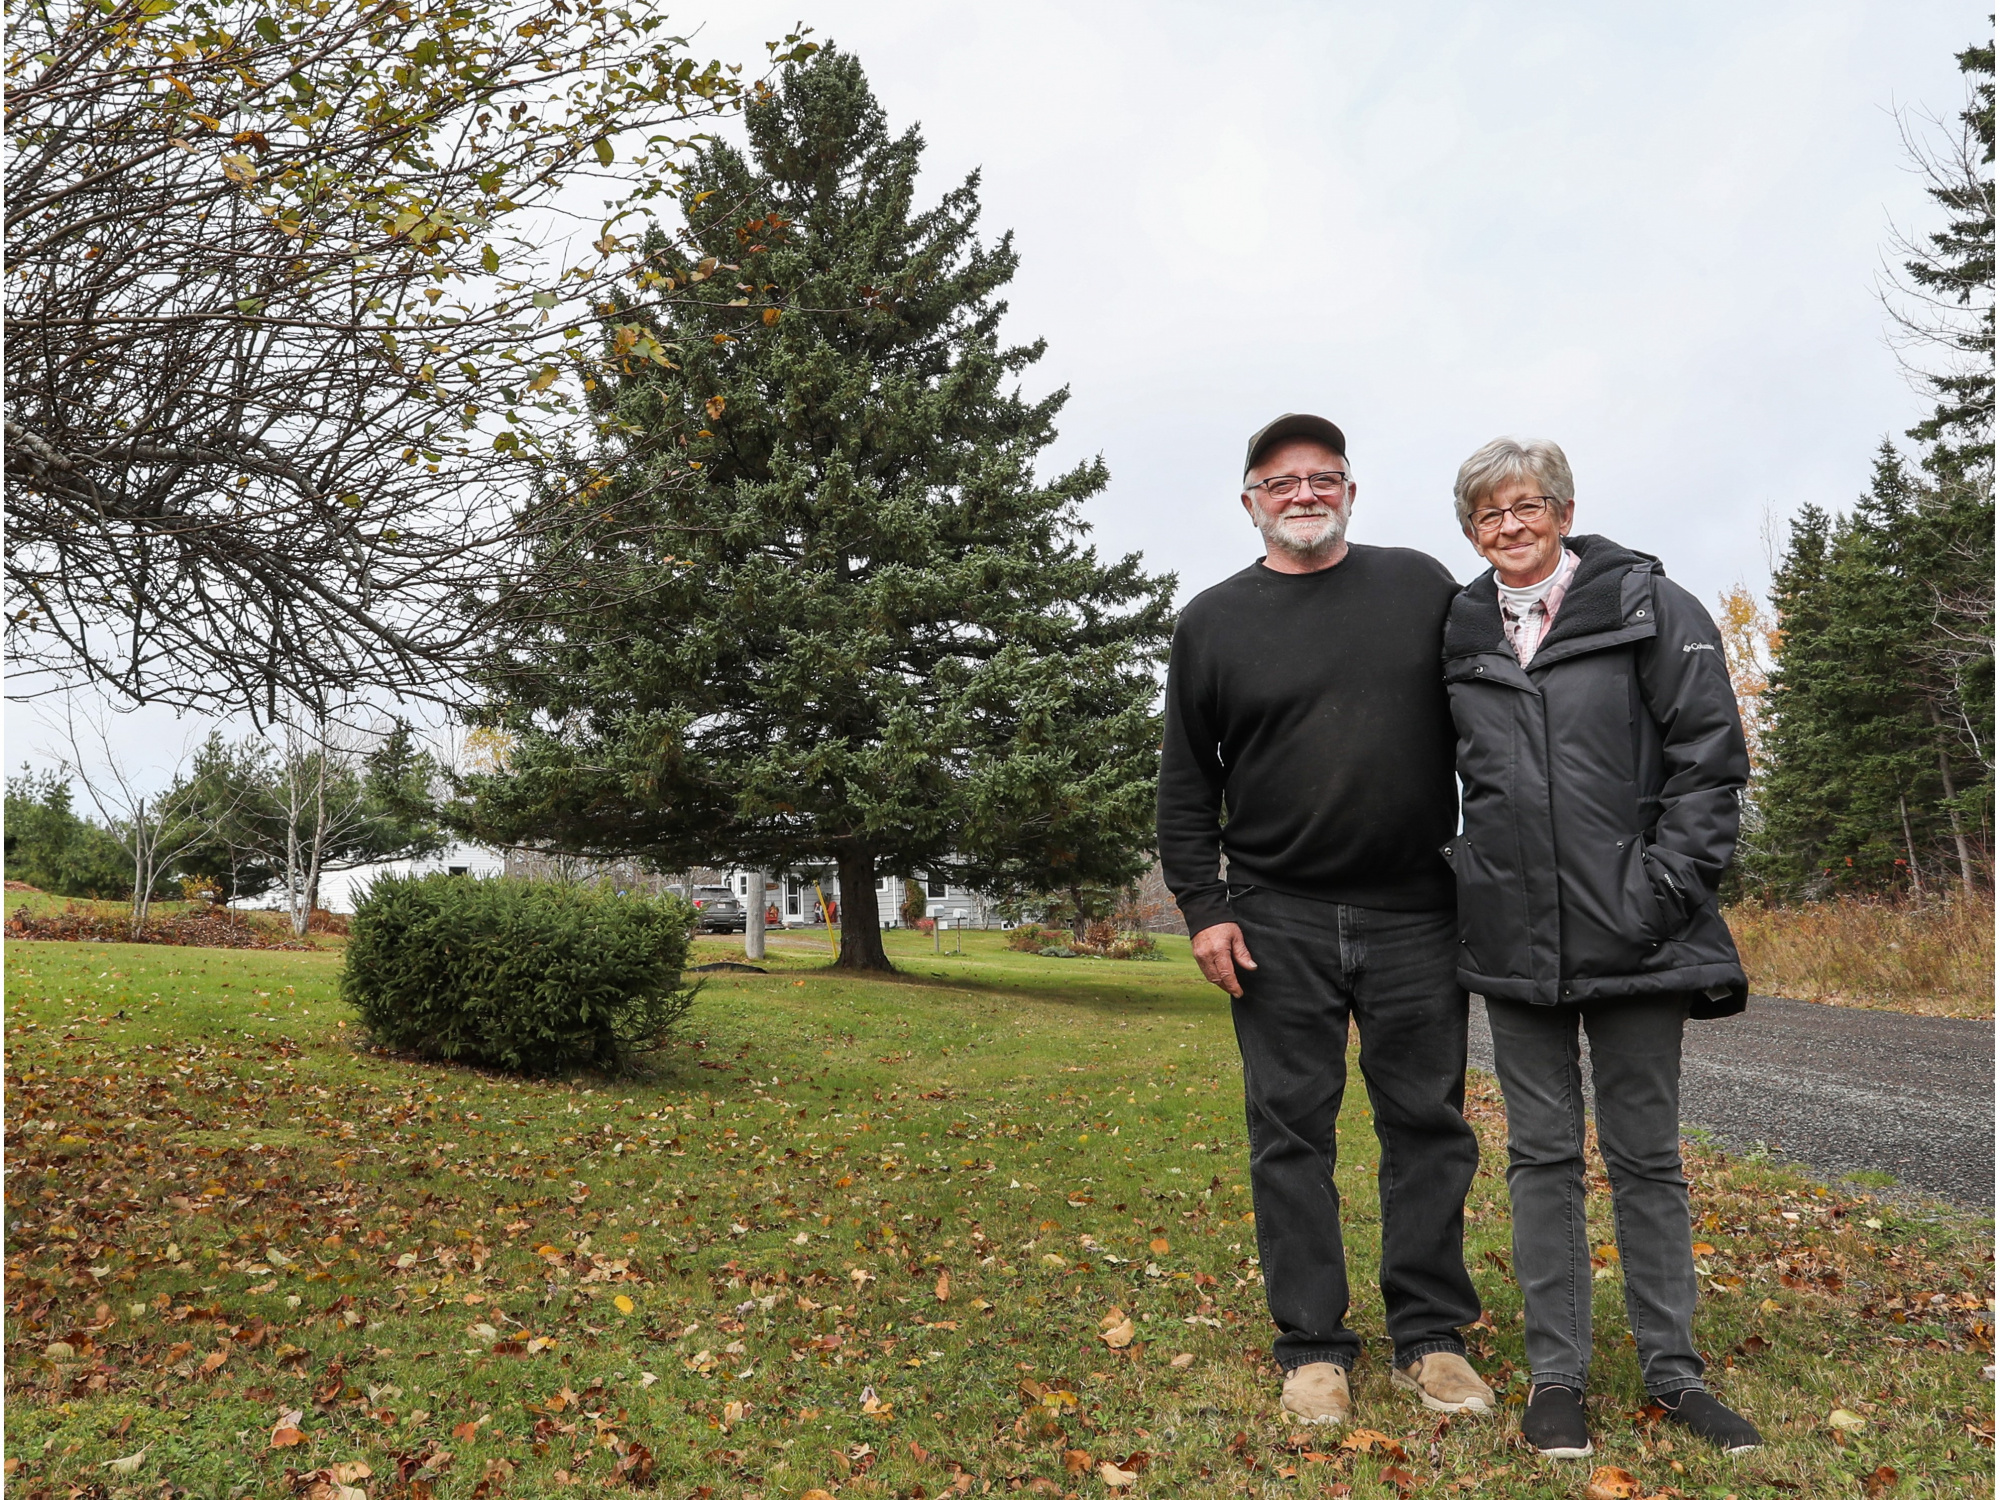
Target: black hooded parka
1601, 789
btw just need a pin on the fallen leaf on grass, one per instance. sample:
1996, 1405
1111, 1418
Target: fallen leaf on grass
624, 1304
129, 1464
943, 1288
1608, 1483
1843, 1420
1880, 1482
1402, 1479
1158, 1247
1116, 1477
287, 1433
332, 1483
1367, 1439
1181, 1361
1119, 1334
1075, 1460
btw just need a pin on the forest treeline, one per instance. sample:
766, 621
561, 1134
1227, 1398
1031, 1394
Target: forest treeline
1873, 725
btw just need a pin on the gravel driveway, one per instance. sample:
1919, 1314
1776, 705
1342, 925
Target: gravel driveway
1838, 1091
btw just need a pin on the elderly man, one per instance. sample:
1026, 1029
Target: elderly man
1309, 743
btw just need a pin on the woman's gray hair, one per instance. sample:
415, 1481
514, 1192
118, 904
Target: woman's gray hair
1504, 459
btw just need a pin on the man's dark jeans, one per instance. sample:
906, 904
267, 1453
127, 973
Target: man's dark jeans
1392, 972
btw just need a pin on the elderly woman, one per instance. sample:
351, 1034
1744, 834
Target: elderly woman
1601, 758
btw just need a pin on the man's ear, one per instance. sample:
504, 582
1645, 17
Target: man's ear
1248, 507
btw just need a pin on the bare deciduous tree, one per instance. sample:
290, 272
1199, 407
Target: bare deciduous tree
289, 310
153, 827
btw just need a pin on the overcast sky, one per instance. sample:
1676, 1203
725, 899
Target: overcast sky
1651, 233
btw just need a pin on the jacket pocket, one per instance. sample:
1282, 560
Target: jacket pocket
1657, 908
1491, 928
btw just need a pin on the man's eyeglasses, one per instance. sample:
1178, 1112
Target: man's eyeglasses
1284, 486
1526, 511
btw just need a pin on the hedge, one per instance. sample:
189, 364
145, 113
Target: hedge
522, 975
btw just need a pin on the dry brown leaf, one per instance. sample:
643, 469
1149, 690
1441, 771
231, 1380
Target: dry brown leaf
944, 1286
1075, 1460
1120, 1334
1608, 1483
1367, 1440
1158, 1247
287, 1434
1181, 1361
1116, 1477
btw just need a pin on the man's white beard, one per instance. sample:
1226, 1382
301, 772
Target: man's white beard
1306, 536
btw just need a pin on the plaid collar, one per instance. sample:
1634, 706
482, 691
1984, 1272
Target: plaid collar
1524, 631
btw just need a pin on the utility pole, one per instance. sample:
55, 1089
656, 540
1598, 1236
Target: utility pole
753, 917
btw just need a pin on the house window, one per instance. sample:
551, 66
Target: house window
457, 870
792, 904
938, 890
884, 883
742, 885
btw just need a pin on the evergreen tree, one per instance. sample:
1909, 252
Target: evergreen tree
381, 807
50, 846
1879, 774
860, 627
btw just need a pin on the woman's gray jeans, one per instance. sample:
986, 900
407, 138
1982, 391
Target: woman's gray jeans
1635, 1056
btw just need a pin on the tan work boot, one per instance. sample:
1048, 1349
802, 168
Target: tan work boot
1445, 1382
1317, 1393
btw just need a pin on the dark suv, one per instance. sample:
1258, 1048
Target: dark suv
718, 910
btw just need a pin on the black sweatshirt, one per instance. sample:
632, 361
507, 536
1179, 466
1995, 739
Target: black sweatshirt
1310, 708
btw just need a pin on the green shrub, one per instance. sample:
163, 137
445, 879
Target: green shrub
52, 848
531, 977
1100, 940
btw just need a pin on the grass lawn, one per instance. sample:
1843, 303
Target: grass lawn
853, 1236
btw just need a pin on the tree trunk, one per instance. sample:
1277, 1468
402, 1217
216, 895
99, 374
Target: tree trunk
1965, 874
1910, 844
860, 915
1078, 923
142, 871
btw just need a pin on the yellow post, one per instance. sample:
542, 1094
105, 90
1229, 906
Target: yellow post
827, 917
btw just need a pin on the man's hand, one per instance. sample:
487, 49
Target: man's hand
1220, 950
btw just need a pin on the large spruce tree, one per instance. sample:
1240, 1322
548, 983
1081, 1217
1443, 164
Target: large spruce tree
1879, 770
858, 625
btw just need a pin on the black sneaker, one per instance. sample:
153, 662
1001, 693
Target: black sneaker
1707, 1418
1553, 1422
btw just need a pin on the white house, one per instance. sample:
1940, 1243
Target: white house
339, 888
796, 894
